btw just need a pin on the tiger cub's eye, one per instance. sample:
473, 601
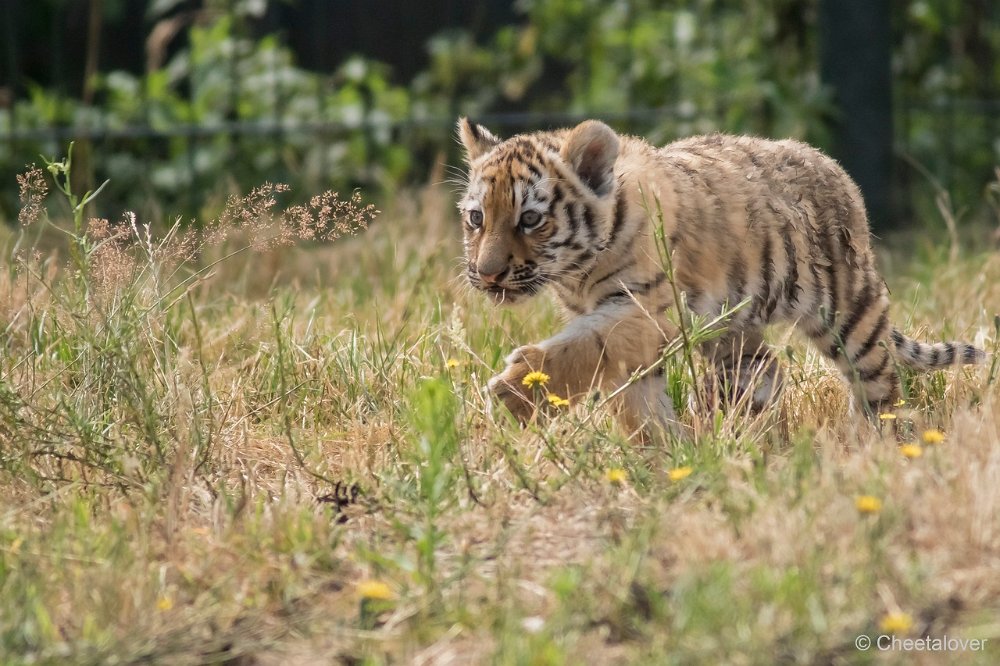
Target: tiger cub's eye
475, 218
530, 219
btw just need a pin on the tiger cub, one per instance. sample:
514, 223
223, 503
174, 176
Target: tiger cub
776, 223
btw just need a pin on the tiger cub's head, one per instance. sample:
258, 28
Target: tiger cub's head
538, 207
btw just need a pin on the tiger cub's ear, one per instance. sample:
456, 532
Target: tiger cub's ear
477, 139
591, 150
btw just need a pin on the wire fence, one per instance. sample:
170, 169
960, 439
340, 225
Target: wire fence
929, 153
305, 134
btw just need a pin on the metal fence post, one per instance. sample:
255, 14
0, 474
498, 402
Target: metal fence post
855, 49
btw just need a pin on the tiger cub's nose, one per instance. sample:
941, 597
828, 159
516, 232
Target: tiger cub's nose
493, 278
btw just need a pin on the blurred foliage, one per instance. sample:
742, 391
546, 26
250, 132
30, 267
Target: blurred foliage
946, 70
226, 110
698, 66
234, 112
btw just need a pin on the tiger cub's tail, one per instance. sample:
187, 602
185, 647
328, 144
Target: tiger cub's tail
928, 356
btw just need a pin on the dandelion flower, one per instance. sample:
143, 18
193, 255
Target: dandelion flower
535, 378
887, 416
911, 450
868, 504
616, 475
679, 473
900, 403
374, 589
556, 401
933, 436
896, 623
452, 363
164, 603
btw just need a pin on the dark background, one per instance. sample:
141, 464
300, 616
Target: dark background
905, 93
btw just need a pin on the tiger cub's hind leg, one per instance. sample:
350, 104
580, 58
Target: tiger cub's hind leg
645, 408
745, 370
858, 342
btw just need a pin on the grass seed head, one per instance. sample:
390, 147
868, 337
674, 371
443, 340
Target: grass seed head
32, 190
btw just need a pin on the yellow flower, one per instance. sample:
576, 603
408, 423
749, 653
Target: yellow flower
900, 403
164, 603
556, 401
375, 589
887, 417
896, 623
535, 378
452, 363
679, 473
933, 436
911, 450
616, 476
868, 504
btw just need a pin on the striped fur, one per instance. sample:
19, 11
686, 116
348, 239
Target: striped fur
775, 223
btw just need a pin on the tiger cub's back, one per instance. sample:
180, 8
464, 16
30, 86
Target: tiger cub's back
776, 222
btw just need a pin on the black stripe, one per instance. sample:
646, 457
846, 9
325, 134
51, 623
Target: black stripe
763, 296
935, 356
557, 196
618, 294
588, 220
621, 210
737, 281
877, 333
819, 289
570, 242
662, 307
644, 287
792, 288
868, 375
826, 246
898, 338
584, 253
626, 246
949, 353
861, 306
762, 356
569, 210
692, 296
607, 276
600, 342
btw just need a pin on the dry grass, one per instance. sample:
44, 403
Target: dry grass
167, 443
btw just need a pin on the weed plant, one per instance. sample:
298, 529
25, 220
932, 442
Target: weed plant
234, 444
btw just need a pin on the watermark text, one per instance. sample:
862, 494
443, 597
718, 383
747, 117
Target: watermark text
890, 643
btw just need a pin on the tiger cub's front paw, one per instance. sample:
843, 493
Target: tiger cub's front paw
516, 386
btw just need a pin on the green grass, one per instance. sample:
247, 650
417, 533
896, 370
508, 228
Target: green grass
166, 437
